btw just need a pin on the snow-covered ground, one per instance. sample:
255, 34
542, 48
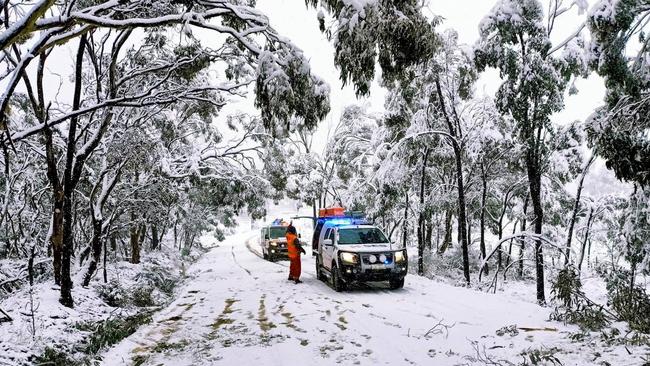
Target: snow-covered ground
240, 310
60, 328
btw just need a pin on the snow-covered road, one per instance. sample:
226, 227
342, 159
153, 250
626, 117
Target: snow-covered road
240, 310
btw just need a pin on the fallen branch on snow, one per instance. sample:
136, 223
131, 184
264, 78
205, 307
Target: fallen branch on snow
6, 317
439, 329
531, 329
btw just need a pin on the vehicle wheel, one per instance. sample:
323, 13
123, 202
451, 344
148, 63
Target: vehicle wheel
271, 258
337, 282
319, 272
396, 284
264, 255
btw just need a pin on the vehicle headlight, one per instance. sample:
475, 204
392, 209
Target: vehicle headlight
400, 256
349, 258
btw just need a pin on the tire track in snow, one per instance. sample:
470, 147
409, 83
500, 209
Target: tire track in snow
234, 258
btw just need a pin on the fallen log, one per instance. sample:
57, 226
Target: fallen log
545, 329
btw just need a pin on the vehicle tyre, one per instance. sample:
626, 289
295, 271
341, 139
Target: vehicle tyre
264, 255
337, 283
396, 284
319, 272
271, 258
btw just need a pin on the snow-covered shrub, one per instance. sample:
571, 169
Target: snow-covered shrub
630, 302
541, 356
567, 287
111, 331
449, 264
157, 276
574, 306
53, 356
142, 296
113, 293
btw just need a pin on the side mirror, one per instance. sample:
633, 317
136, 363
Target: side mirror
299, 236
327, 242
267, 237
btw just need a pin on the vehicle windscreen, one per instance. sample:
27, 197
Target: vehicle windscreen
277, 232
361, 236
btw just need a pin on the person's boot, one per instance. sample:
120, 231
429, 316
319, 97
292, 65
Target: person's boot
290, 279
297, 281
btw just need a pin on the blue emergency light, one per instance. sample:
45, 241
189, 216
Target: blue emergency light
340, 221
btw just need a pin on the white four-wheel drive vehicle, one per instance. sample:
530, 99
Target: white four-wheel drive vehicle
273, 242
349, 251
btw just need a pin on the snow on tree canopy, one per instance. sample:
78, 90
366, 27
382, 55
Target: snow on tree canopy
289, 93
394, 34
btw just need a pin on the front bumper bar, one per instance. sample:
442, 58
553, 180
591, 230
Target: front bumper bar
356, 273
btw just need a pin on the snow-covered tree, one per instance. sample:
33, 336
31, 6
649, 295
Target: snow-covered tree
515, 39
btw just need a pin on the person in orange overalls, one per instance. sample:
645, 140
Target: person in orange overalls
294, 249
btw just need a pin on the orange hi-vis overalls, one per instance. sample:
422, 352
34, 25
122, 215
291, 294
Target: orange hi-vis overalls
294, 256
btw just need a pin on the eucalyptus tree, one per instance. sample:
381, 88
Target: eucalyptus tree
433, 100
620, 52
515, 39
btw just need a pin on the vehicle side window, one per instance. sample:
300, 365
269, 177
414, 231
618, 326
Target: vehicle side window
331, 235
327, 234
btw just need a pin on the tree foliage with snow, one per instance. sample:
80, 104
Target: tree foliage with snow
620, 53
394, 34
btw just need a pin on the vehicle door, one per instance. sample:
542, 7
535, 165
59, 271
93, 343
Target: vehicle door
327, 248
265, 238
316, 237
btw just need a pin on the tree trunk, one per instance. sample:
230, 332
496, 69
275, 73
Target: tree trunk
421, 223
447, 240
134, 231
535, 182
429, 234
142, 234
437, 231
56, 239
154, 237
175, 233
589, 254
56, 236
104, 266
586, 238
134, 239
500, 235
469, 231
462, 217
522, 241
69, 185
113, 243
482, 217
576, 207
96, 247
509, 257
406, 219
